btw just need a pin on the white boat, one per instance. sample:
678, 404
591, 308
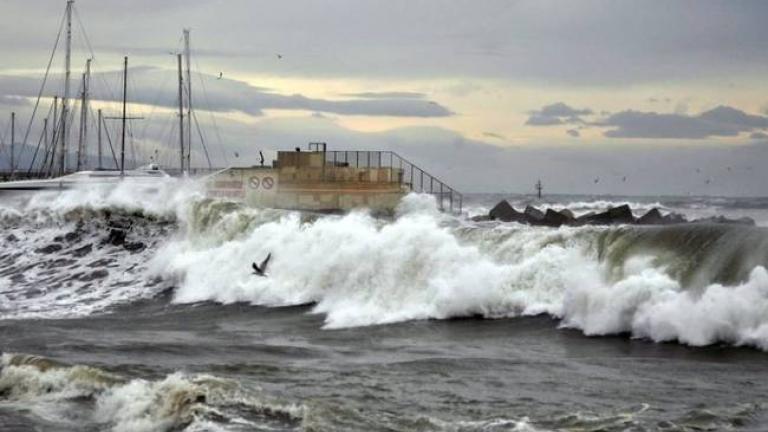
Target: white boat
148, 174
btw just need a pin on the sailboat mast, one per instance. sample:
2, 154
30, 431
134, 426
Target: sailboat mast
65, 100
83, 117
188, 56
46, 148
54, 132
13, 142
125, 115
99, 140
181, 115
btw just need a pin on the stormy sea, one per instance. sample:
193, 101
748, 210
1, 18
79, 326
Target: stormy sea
136, 309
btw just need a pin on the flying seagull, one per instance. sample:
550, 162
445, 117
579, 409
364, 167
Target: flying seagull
261, 270
279, 56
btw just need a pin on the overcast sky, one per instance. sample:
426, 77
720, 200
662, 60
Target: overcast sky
623, 97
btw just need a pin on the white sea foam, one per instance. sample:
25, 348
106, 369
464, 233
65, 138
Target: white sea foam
359, 270
162, 197
178, 401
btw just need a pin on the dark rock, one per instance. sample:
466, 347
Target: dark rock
134, 246
652, 217
11, 238
675, 218
116, 237
51, 248
616, 215
567, 213
554, 219
724, 220
480, 218
533, 215
504, 212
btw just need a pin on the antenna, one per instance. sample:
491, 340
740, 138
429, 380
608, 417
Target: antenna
539, 188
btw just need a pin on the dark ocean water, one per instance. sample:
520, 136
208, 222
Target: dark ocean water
423, 322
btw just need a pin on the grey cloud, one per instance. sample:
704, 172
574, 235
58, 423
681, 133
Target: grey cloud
14, 101
385, 95
573, 132
758, 135
732, 116
539, 120
588, 42
494, 135
560, 109
555, 114
463, 163
722, 121
155, 86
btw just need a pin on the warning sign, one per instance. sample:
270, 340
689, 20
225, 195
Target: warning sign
268, 182
254, 182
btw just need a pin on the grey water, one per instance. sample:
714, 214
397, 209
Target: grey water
142, 360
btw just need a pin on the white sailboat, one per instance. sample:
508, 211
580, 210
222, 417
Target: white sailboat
46, 178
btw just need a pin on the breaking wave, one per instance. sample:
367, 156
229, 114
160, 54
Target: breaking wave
697, 284
84, 252
77, 395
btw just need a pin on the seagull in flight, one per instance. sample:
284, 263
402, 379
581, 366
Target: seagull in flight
261, 270
279, 56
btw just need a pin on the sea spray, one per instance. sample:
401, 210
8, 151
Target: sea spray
695, 283
56, 391
361, 270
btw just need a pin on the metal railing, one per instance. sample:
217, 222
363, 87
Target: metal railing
397, 170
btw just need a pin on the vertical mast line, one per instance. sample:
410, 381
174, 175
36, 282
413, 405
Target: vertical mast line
125, 96
188, 56
181, 115
13, 138
54, 133
45, 79
65, 100
99, 140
